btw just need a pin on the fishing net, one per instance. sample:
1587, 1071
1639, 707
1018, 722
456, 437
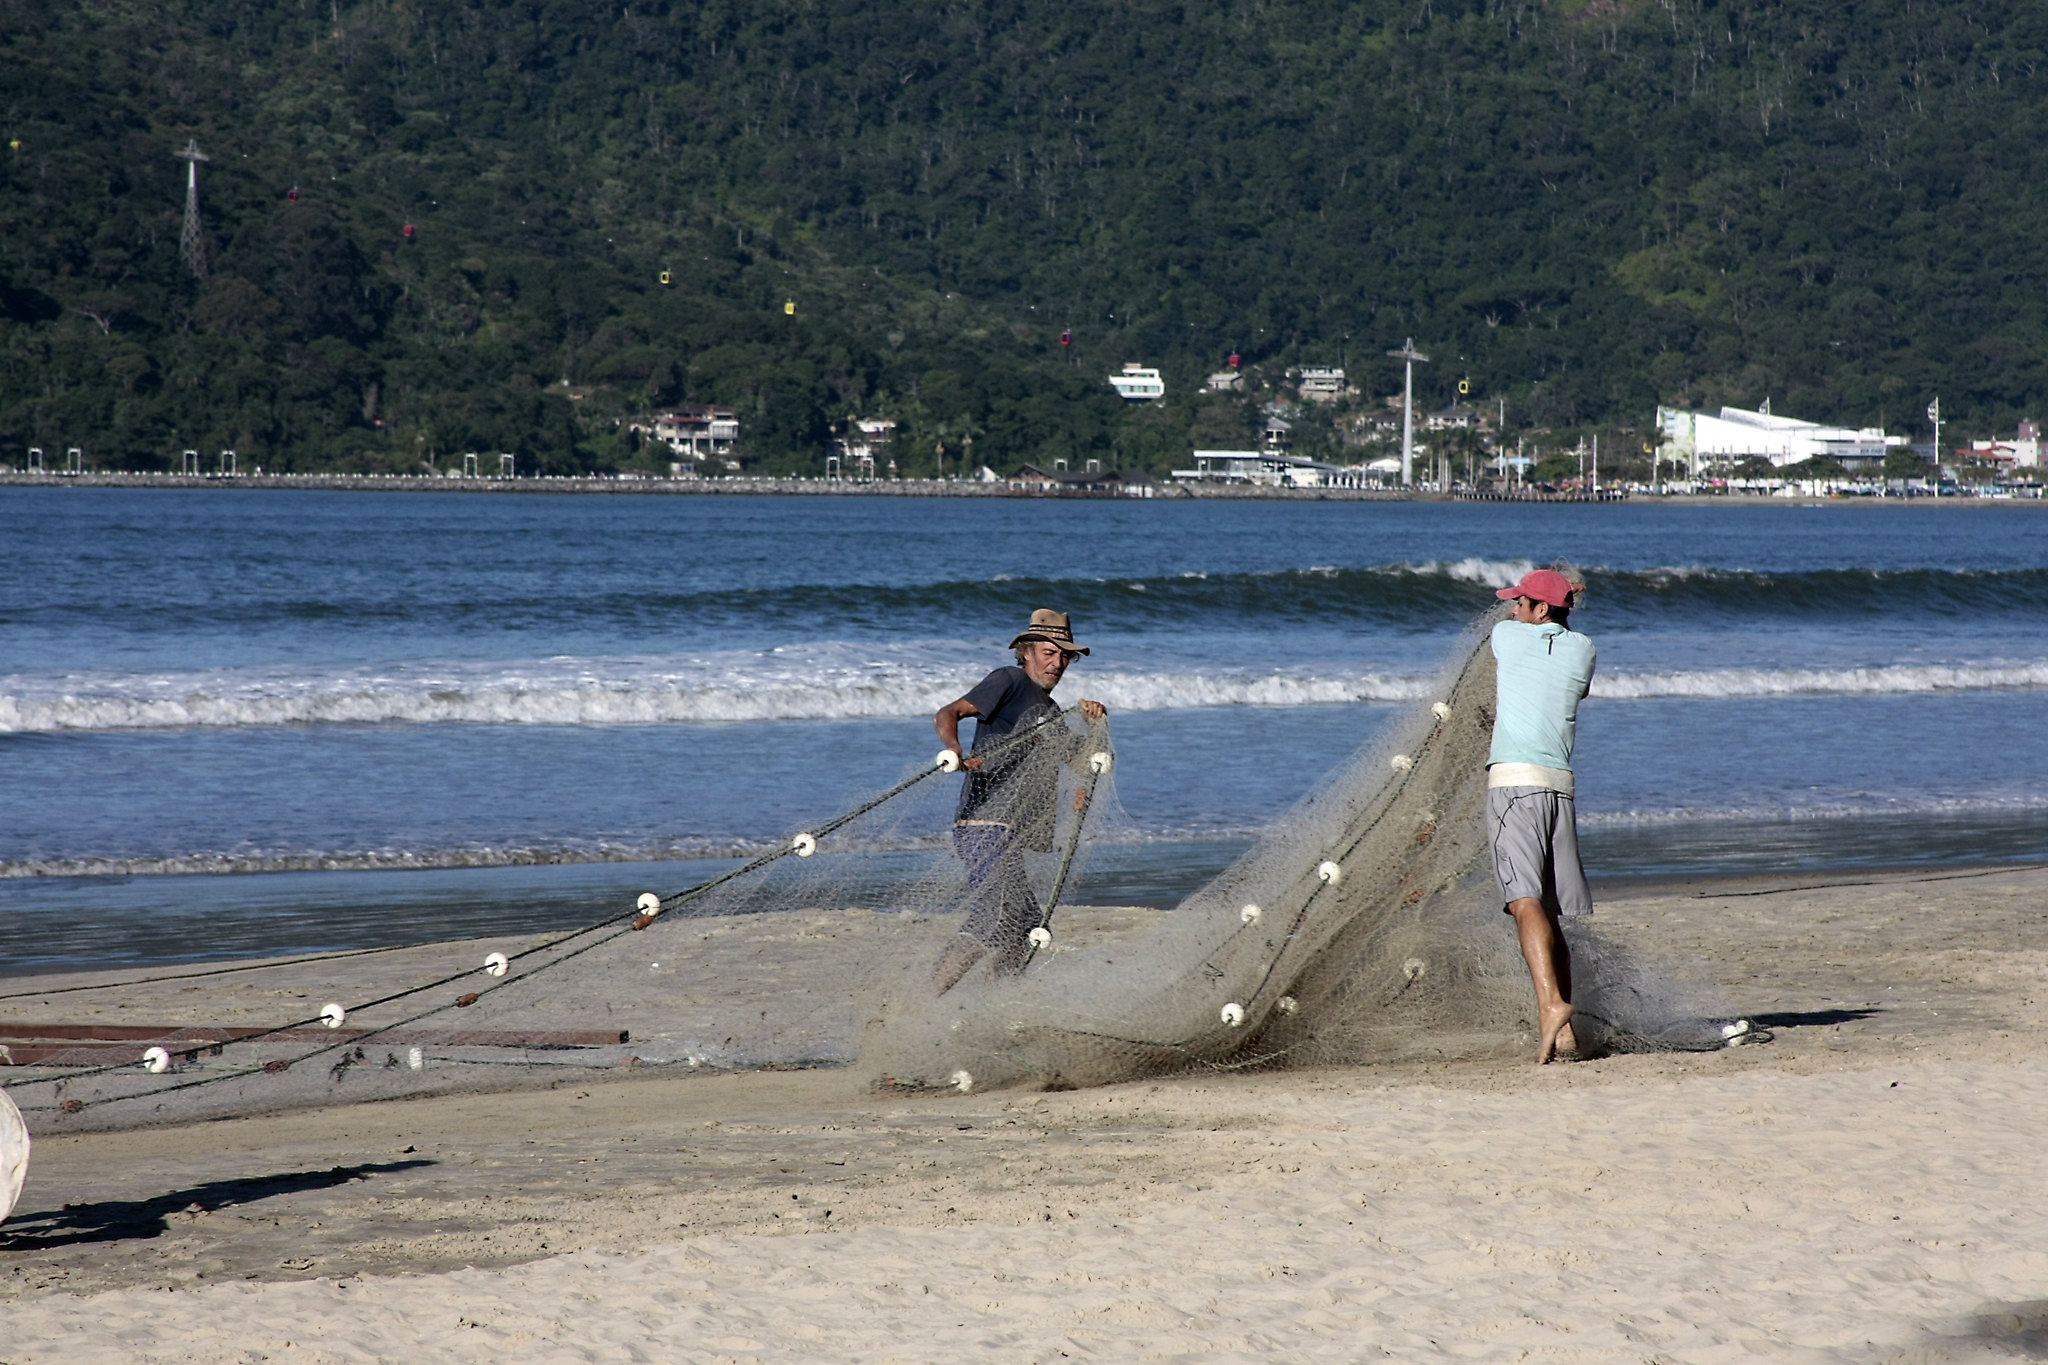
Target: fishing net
1364, 927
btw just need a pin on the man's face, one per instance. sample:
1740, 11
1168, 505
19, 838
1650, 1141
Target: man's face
1045, 661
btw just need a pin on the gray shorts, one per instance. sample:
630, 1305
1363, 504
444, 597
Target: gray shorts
1534, 834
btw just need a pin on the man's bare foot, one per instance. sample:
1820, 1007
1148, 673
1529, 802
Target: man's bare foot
956, 961
1556, 1034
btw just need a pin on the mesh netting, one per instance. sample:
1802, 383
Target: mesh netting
1364, 927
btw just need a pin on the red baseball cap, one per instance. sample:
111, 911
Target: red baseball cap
1541, 585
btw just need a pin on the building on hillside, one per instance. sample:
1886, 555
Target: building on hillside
1321, 383
865, 443
1270, 469
1277, 433
1456, 418
1704, 439
1138, 384
694, 430
1224, 381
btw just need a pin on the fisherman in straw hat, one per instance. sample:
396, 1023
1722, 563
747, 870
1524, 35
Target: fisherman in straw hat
1005, 809
1544, 669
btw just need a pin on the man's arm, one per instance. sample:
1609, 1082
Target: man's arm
947, 723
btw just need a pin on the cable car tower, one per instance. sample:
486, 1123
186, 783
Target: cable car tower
1409, 355
191, 243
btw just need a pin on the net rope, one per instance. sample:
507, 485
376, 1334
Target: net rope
1364, 926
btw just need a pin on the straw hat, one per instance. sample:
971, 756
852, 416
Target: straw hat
1055, 626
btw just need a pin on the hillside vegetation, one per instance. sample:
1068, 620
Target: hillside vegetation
1587, 209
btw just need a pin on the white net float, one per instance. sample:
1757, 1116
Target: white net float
648, 904
1040, 936
416, 1059
1413, 968
331, 1014
497, 964
1330, 872
1442, 710
947, 761
1402, 763
14, 1145
1233, 1014
1287, 1004
805, 845
1101, 761
1250, 914
157, 1060
962, 1081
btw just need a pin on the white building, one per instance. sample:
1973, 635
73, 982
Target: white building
2022, 452
1138, 384
867, 440
1223, 381
1269, 468
695, 430
1735, 434
1322, 383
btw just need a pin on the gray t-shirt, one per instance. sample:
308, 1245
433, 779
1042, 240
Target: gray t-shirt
1005, 702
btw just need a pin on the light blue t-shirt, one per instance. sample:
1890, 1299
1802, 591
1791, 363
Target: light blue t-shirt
1543, 674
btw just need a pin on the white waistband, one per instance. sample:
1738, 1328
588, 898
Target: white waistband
1529, 775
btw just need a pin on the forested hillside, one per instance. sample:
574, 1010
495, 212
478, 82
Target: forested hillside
1586, 208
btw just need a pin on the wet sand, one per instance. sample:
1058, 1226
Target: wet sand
1864, 1188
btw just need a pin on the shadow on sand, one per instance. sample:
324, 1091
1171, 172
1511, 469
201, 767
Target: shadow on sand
122, 1220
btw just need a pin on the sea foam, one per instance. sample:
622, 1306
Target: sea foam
767, 687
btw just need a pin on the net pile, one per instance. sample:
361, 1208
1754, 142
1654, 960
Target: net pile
1364, 927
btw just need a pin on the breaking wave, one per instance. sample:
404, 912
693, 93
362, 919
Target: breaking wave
822, 683
1394, 594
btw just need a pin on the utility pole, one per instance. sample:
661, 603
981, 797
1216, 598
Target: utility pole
1596, 464
1934, 416
191, 243
1409, 355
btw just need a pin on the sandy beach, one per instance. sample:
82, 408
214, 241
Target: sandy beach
1864, 1188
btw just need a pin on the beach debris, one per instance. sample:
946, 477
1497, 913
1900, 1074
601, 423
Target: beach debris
1101, 761
805, 845
331, 1014
962, 1081
157, 1061
1250, 914
1233, 1014
947, 761
497, 964
1040, 936
1330, 872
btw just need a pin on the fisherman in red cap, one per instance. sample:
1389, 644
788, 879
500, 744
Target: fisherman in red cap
1005, 809
1544, 669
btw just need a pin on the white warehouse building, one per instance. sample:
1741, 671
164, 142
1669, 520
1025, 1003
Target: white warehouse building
1704, 438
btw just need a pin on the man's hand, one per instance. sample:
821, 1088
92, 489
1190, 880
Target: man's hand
970, 764
1093, 711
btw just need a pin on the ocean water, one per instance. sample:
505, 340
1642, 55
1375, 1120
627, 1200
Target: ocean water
247, 721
